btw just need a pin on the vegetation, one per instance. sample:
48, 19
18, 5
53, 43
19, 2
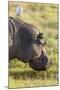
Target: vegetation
45, 18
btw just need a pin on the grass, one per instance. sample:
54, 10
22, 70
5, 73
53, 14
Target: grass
44, 17
31, 83
21, 75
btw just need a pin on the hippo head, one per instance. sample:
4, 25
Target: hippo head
27, 44
30, 43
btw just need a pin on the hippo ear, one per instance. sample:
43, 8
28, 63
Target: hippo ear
40, 35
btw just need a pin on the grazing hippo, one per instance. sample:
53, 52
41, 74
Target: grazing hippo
26, 44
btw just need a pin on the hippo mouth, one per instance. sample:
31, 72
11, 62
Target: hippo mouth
39, 63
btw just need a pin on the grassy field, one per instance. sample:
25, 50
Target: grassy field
45, 18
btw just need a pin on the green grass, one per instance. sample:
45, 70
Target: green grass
31, 83
44, 17
21, 75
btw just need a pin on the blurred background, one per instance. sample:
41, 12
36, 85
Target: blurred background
45, 18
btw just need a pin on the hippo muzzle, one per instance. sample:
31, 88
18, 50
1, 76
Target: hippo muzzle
39, 63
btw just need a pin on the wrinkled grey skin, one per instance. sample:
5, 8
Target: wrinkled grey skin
26, 44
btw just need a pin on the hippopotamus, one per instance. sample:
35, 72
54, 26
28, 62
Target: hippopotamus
26, 44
